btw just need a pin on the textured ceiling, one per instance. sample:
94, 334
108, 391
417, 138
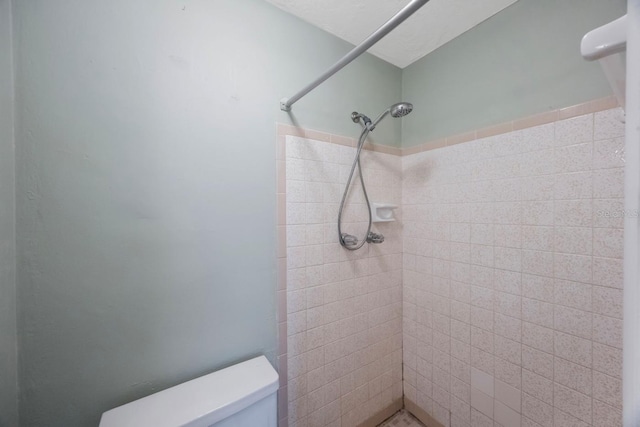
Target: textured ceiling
436, 23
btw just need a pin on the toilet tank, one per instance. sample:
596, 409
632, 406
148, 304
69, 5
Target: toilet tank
242, 395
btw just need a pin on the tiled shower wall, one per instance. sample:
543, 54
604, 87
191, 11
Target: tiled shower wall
512, 296
342, 317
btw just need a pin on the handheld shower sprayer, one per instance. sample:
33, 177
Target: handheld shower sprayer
349, 241
400, 109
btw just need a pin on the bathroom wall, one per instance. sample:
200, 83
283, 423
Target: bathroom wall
343, 309
8, 349
522, 61
513, 276
146, 175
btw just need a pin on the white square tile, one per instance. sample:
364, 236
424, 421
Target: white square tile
482, 381
608, 301
576, 268
572, 321
570, 186
574, 349
537, 213
508, 281
507, 258
537, 312
574, 376
508, 327
608, 213
608, 153
480, 420
539, 238
508, 304
537, 386
508, 395
607, 272
538, 411
506, 416
508, 372
508, 350
573, 158
538, 287
605, 415
607, 360
575, 130
608, 242
538, 187
537, 337
561, 418
538, 362
574, 240
608, 183
573, 294
538, 263
608, 124
508, 235
482, 402
607, 330
573, 213
572, 402
482, 360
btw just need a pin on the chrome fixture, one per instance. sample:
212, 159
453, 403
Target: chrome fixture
349, 241
396, 110
397, 19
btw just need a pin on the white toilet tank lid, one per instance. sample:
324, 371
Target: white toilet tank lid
200, 402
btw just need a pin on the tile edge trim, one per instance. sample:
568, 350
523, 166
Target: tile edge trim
589, 107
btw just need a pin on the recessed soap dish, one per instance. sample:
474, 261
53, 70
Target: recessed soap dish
382, 212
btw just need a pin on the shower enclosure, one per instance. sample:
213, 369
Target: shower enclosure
495, 295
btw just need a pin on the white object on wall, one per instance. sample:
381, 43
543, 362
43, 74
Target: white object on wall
608, 45
382, 212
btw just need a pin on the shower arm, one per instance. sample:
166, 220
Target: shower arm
397, 19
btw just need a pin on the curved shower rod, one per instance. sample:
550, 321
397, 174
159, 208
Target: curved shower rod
397, 19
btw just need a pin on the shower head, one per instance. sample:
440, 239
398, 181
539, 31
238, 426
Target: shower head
400, 109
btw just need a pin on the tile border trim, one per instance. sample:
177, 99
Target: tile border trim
284, 130
518, 124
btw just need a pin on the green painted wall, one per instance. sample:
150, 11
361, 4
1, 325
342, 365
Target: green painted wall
146, 170
146, 188
8, 343
523, 60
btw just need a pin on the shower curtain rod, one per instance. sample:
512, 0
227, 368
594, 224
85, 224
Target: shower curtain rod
397, 19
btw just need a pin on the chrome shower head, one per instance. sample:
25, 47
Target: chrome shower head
401, 109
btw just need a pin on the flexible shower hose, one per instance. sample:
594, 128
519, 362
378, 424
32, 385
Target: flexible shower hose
348, 241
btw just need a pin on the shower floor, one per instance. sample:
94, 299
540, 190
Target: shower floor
402, 419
